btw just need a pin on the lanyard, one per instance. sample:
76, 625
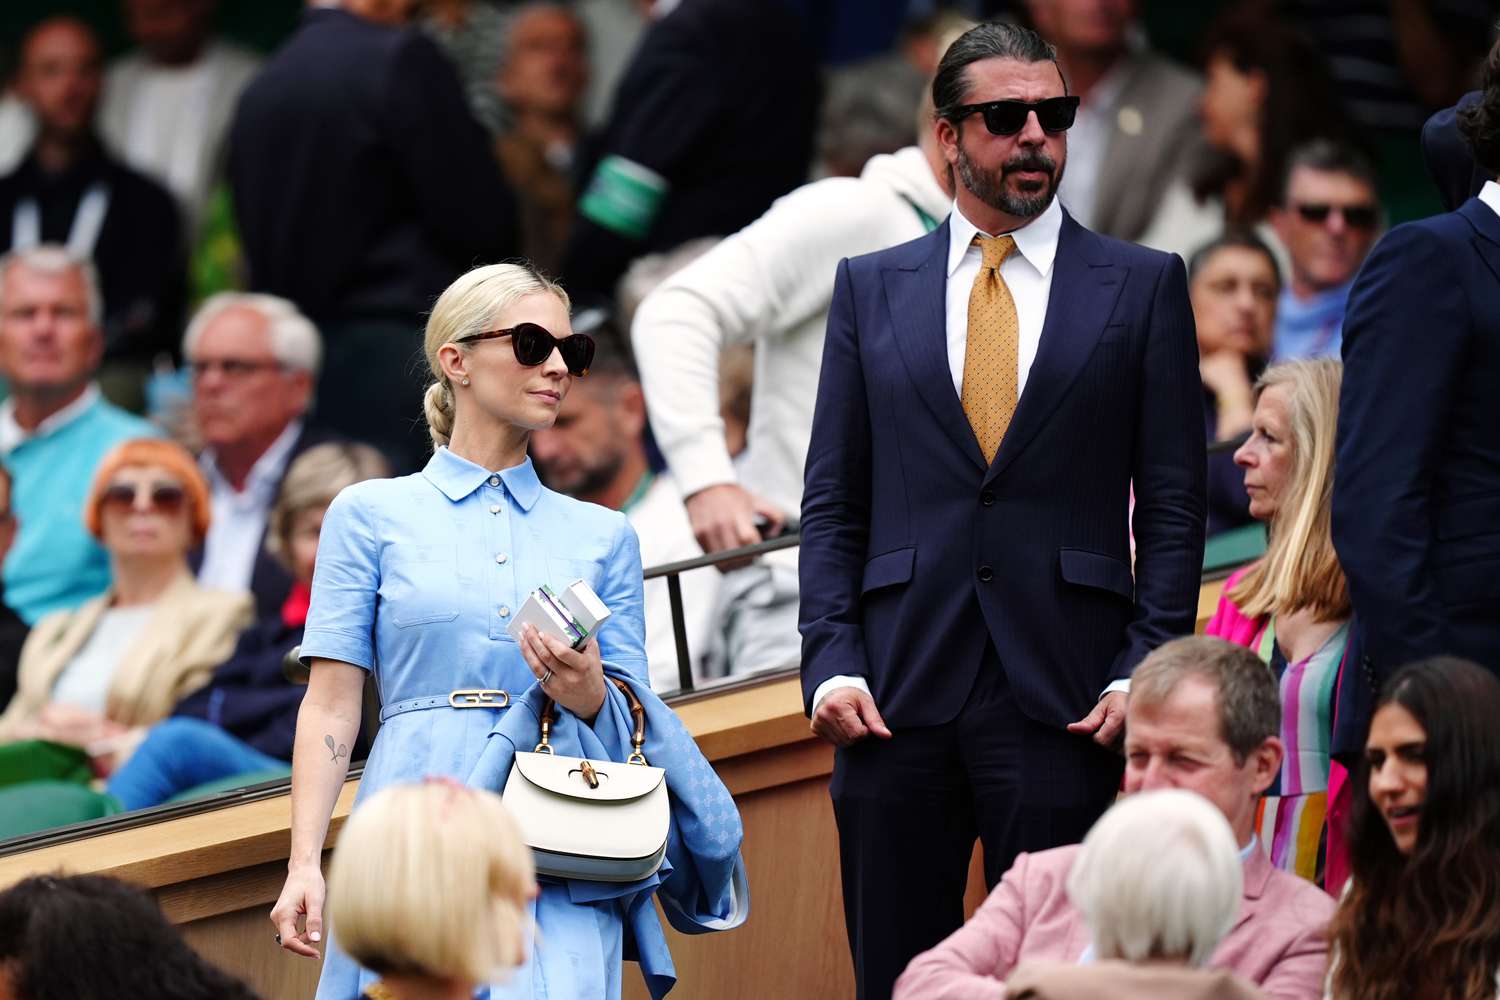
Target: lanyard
639, 493
83, 236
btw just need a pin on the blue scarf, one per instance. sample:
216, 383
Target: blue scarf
1311, 329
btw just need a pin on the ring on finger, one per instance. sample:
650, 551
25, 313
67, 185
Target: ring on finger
546, 677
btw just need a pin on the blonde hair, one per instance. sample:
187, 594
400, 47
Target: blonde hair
432, 879
466, 307
314, 478
1300, 568
1159, 877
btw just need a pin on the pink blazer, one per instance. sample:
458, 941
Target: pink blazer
1279, 942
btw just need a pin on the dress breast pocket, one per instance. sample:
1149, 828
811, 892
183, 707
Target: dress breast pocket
562, 572
419, 584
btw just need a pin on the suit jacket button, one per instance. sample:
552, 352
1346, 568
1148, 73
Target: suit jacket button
987, 498
986, 574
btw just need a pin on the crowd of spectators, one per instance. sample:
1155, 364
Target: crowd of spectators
216, 269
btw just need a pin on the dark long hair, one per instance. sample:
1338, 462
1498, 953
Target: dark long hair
1300, 105
1428, 925
87, 937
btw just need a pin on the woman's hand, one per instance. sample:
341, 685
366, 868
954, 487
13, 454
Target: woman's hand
73, 726
302, 894
574, 678
1227, 374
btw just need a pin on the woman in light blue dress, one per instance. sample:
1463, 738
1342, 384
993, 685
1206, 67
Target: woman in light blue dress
417, 579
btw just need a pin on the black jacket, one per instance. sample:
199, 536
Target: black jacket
720, 100
362, 185
139, 254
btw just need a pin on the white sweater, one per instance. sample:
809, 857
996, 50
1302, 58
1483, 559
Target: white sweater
770, 284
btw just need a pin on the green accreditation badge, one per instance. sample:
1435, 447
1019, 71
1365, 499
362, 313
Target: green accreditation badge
624, 197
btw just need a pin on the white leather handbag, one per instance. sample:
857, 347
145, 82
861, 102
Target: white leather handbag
591, 819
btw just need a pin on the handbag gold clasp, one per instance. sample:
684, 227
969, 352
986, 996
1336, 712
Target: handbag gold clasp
589, 774
544, 746
478, 698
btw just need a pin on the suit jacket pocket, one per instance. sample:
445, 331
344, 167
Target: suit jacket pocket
888, 569
1094, 569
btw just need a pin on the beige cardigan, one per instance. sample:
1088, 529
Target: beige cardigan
190, 633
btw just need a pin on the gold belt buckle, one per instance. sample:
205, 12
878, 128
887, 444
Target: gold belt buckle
478, 698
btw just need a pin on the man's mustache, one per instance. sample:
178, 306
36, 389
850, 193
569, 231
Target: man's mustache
1031, 161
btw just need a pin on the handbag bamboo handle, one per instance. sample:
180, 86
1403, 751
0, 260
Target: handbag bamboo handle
637, 716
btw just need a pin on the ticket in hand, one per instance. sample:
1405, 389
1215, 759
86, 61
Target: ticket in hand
572, 616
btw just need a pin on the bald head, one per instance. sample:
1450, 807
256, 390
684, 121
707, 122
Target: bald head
59, 76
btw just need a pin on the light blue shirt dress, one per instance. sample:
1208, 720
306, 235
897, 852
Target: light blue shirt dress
417, 579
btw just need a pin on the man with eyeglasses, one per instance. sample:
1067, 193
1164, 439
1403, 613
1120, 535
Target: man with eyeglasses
970, 616
254, 360
55, 426
1328, 219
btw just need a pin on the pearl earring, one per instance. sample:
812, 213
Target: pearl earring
465, 382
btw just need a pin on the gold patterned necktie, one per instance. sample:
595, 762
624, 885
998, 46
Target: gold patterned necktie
991, 363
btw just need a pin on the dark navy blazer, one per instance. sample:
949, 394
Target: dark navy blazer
914, 553
1416, 497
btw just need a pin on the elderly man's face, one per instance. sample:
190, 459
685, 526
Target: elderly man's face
47, 342
242, 395
1177, 744
60, 76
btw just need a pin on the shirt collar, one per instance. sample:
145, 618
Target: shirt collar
268, 469
1036, 241
458, 477
1490, 195
12, 434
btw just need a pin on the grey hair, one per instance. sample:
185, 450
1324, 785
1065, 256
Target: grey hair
295, 341
1247, 694
990, 40
1159, 877
53, 258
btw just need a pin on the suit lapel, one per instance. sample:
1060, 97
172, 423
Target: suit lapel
917, 298
1079, 305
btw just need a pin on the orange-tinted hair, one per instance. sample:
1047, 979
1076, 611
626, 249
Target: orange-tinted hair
151, 451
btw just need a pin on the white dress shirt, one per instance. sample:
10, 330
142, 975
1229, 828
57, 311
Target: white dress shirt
1490, 195
1028, 275
240, 516
12, 433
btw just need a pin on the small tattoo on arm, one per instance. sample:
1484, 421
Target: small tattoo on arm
338, 750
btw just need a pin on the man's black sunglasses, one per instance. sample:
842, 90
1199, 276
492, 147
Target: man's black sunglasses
1355, 216
534, 344
1055, 114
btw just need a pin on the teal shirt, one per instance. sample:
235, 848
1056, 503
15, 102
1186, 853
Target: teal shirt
55, 563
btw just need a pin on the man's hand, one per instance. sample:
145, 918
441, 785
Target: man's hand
847, 715
723, 517
1106, 723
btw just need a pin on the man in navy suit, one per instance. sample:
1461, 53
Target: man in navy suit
969, 613
1416, 501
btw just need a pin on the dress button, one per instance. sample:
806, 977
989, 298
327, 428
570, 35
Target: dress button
494, 480
494, 508
505, 611
986, 574
501, 558
987, 498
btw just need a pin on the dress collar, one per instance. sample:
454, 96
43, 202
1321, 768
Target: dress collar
1036, 241
12, 434
458, 477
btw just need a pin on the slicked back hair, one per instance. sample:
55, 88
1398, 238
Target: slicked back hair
991, 40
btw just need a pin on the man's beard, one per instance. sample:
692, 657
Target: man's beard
587, 480
991, 188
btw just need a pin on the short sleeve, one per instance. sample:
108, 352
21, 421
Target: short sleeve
622, 639
341, 619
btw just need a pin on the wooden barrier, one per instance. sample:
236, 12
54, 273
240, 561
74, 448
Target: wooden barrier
217, 873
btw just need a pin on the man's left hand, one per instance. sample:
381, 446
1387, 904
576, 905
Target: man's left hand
1106, 723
